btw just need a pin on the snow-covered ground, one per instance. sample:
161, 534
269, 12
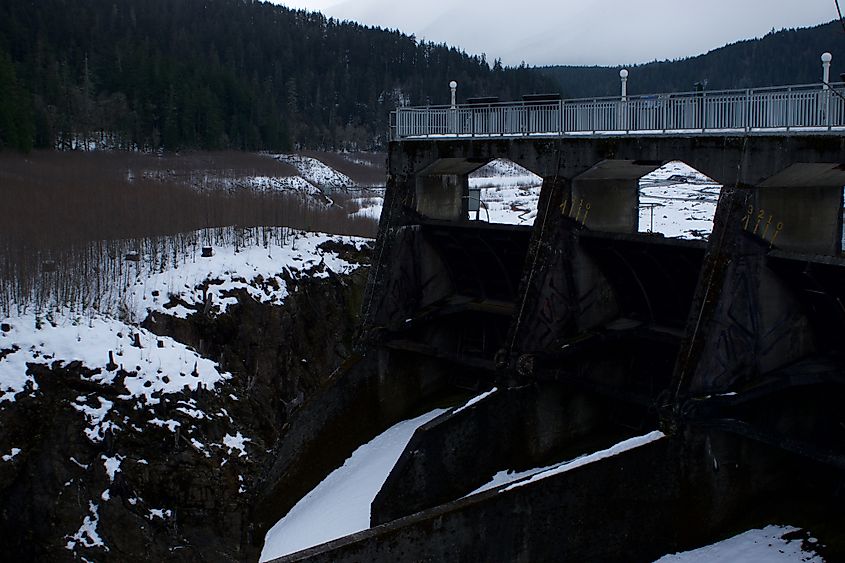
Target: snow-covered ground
62, 334
290, 184
256, 269
315, 172
370, 202
754, 546
678, 202
340, 504
159, 364
509, 193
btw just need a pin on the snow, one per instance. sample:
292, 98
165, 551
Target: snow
676, 200
236, 442
173, 278
112, 465
614, 450
160, 364
765, 545
78, 464
169, 424
371, 204
200, 447
255, 269
340, 504
679, 200
520, 478
509, 193
477, 399
162, 513
280, 184
290, 184
315, 172
67, 338
95, 417
87, 534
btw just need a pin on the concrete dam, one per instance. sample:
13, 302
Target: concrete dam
726, 354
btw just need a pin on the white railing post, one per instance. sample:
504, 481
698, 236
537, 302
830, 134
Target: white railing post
789, 107
748, 107
560, 117
827, 94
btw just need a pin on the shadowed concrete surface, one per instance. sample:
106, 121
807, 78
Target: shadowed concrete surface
593, 333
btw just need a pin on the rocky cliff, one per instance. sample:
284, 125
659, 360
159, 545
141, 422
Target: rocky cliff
91, 472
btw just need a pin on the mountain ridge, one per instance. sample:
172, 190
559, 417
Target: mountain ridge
741, 64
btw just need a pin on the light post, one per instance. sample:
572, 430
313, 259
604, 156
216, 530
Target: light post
454, 87
622, 112
623, 75
826, 58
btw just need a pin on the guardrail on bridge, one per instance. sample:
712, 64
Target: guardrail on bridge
815, 108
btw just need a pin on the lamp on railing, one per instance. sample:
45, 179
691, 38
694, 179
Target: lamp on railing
826, 58
623, 75
454, 87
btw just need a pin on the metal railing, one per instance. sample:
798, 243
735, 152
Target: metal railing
778, 110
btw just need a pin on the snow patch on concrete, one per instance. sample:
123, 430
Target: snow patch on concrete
614, 450
476, 399
520, 478
340, 505
765, 545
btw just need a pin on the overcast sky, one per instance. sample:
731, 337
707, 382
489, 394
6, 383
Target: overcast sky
604, 32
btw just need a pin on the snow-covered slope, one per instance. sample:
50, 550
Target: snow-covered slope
256, 269
157, 364
194, 283
315, 172
340, 504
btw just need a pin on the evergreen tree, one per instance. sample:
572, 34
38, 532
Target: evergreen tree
225, 74
17, 127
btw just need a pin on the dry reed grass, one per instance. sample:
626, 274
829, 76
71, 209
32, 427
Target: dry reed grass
67, 219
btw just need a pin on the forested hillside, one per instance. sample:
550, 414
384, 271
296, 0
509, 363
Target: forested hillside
789, 56
210, 74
